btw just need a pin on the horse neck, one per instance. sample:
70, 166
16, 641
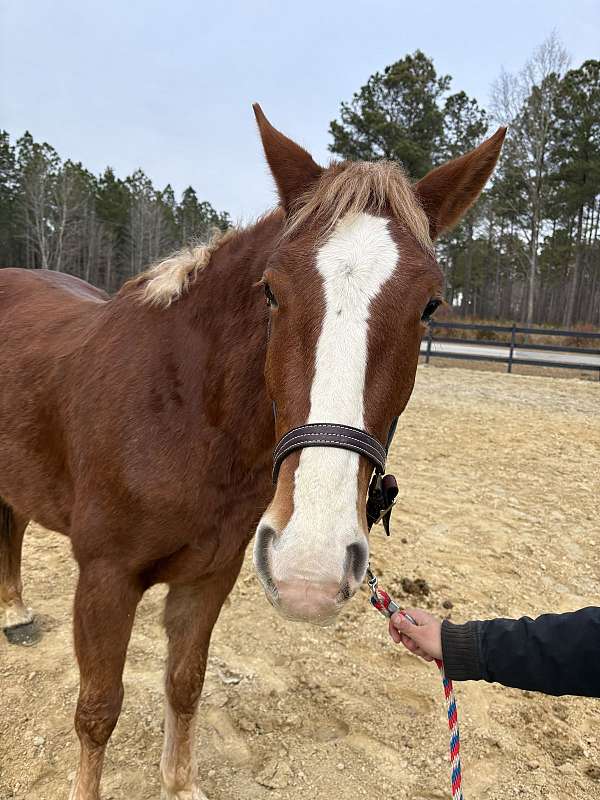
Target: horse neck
228, 310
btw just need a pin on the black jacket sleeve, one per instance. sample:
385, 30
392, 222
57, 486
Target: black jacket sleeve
555, 653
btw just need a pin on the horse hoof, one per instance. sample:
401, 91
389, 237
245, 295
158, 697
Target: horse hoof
27, 634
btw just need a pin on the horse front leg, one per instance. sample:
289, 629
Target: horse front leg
191, 611
105, 605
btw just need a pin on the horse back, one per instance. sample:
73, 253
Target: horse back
44, 318
15, 282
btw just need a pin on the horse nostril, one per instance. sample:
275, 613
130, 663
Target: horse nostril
264, 537
356, 561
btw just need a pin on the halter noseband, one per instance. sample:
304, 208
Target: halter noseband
382, 488
324, 434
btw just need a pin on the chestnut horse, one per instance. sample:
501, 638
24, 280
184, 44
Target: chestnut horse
142, 426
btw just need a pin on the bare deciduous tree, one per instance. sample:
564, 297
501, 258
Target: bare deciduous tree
525, 102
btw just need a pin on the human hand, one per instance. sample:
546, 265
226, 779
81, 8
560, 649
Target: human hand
423, 639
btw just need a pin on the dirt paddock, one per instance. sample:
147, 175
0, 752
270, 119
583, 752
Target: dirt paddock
498, 513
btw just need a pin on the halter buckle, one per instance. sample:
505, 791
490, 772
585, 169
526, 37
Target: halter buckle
385, 513
383, 491
379, 599
372, 582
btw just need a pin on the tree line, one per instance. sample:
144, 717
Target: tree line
57, 215
529, 250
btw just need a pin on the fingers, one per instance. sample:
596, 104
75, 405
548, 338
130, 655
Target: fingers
423, 638
420, 617
402, 624
394, 633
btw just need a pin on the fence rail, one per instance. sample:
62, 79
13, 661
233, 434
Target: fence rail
457, 348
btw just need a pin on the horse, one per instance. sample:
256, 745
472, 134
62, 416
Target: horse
142, 426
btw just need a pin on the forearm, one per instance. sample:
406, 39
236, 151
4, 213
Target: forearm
554, 654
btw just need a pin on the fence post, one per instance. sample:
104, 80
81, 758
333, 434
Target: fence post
512, 349
428, 352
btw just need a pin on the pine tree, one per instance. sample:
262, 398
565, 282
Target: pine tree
9, 194
576, 155
395, 115
197, 220
464, 126
112, 201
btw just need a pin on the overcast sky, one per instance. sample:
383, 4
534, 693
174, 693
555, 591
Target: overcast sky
168, 86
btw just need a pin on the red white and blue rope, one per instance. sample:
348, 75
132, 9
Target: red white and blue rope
455, 767
386, 606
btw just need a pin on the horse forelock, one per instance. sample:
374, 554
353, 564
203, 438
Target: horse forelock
347, 189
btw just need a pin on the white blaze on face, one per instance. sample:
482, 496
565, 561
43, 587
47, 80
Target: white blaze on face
354, 263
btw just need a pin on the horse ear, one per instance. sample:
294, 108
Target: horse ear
292, 167
448, 191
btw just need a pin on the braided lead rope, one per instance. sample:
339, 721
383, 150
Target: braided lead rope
382, 602
455, 766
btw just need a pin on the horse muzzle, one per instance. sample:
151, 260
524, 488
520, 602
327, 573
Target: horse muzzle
302, 590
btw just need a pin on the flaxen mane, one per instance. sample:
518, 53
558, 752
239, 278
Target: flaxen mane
346, 188
165, 281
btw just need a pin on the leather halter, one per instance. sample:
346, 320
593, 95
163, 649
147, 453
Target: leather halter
382, 488
324, 434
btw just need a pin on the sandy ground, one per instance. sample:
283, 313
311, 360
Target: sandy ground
498, 512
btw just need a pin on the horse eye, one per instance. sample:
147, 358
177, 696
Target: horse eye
430, 309
271, 299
